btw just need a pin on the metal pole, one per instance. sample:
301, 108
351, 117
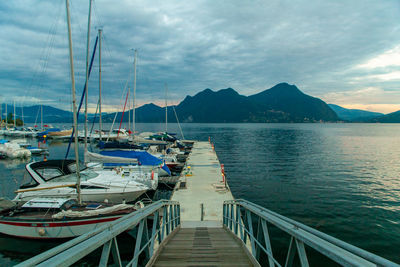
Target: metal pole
14, 113
75, 127
41, 117
87, 76
129, 108
100, 122
166, 110
134, 94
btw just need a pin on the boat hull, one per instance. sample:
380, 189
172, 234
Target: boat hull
116, 198
52, 229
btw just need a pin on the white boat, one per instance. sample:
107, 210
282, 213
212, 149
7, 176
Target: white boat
55, 218
43, 217
57, 178
142, 161
14, 150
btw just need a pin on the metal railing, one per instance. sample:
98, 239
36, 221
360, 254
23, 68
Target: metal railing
165, 215
239, 215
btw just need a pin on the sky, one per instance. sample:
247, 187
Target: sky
344, 52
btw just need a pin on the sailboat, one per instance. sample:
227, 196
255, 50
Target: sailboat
47, 218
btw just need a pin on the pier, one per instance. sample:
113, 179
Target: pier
202, 188
203, 225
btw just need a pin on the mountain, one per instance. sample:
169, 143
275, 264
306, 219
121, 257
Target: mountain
281, 103
355, 115
32, 114
393, 117
225, 105
291, 105
145, 113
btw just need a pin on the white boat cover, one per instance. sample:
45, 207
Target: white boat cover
98, 158
87, 213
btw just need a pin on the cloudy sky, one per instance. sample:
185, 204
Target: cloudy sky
344, 52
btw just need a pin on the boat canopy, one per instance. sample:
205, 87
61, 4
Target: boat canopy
143, 157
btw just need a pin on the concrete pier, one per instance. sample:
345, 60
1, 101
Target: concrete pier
201, 192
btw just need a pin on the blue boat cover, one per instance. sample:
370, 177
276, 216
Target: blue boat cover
3, 141
143, 157
41, 134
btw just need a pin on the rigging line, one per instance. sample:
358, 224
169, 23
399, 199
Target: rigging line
177, 120
83, 95
123, 93
95, 116
123, 112
46, 51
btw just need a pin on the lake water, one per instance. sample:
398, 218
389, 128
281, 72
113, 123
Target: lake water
342, 179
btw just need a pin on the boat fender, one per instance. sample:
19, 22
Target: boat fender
41, 231
152, 175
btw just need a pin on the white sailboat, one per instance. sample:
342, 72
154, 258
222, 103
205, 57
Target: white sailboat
46, 218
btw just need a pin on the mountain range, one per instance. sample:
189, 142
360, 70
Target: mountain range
281, 103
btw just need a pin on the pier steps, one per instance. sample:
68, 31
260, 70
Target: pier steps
202, 246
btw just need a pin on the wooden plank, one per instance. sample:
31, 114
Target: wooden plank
202, 246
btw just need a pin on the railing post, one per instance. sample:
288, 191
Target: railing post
224, 214
258, 238
267, 242
232, 217
164, 223
236, 219
251, 233
241, 224
138, 242
146, 239
302, 253
179, 214
169, 220
153, 232
291, 252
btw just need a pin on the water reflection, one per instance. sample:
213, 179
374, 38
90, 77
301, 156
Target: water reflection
340, 178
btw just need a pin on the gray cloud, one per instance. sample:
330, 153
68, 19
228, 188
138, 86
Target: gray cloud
193, 45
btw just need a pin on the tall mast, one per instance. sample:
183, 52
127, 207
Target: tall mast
134, 93
14, 113
166, 110
129, 108
6, 117
87, 76
1, 113
100, 122
41, 117
71, 61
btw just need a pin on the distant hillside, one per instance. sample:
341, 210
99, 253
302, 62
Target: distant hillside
145, 113
286, 103
393, 117
356, 115
281, 103
32, 114
225, 105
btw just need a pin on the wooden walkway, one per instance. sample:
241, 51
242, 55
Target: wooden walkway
202, 246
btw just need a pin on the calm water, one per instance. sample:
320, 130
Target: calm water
342, 179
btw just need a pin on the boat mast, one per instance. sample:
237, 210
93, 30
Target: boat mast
166, 110
100, 122
134, 94
129, 108
41, 116
75, 127
14, 113
87, 76
6, 117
